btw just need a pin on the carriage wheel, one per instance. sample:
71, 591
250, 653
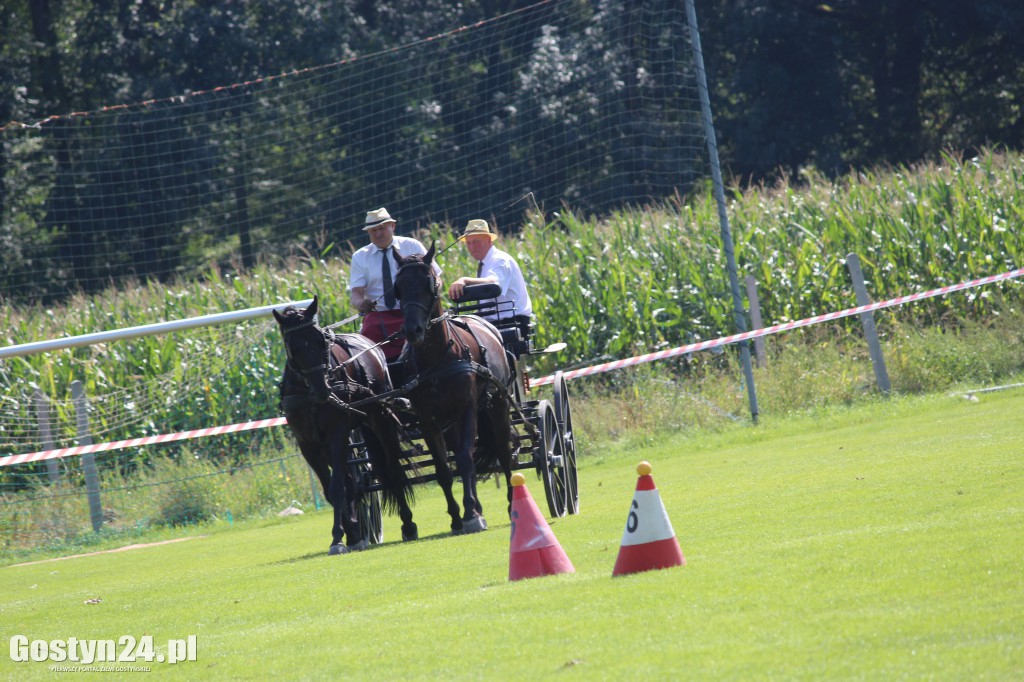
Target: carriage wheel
368, 508
371, 519
563, 415
551, 460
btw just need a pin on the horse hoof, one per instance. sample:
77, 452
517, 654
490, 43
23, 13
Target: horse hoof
337, 549
411, 534
359, 546
474, 525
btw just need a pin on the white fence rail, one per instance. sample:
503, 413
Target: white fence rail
143, 330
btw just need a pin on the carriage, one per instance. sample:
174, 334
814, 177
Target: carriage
543, 429
540, 430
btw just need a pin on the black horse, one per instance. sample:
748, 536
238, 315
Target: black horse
460, 392
325, 375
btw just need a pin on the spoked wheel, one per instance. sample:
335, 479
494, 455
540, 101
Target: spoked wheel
563, 415
368, 509
371, 519
551, 460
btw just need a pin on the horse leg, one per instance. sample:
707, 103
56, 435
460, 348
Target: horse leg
473, 520
317, 460
400, 486
410, 531
385, 453
337, 501
439, 453
495, 443
342, 495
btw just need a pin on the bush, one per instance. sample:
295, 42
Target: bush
188, 502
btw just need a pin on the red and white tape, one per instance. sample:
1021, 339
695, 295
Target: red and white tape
138, 442
765, 331
571, 374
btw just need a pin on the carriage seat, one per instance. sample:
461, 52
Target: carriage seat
478, 299
516, 333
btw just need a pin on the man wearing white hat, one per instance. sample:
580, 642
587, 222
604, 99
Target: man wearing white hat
494, 266
372, 280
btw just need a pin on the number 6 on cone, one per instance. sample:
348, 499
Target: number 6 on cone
648, 541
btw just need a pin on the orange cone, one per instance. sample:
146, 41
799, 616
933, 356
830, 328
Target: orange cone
534, 549
648, 541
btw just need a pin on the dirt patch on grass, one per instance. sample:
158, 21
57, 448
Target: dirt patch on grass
109, 551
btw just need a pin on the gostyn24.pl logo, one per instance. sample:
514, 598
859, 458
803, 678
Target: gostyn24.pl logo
126, 649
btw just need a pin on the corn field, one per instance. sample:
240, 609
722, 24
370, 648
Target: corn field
609, 287
634, 282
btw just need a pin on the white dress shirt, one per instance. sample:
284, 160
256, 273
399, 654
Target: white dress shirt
505, 269
367, 272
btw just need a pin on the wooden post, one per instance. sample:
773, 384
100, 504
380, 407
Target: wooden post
45, 434
760, 356
92, 478
868, 321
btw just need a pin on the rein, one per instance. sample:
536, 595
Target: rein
352, 318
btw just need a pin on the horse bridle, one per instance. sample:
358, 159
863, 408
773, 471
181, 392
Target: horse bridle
322, 367
434, 295
351, 386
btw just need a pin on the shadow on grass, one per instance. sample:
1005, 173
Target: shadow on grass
388, 543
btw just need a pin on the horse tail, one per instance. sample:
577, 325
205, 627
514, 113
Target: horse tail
386, 459
493, 453
393, 498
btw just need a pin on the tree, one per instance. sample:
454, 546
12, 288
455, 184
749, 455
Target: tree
795, 83
859, 82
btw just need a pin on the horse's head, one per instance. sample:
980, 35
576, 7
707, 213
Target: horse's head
417, 287
307, 347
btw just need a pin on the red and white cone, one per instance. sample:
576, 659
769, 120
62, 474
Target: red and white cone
648, 541
534, 549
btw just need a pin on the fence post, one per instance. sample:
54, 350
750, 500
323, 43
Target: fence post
723, 217
45, 435
92, 479
755, 320
868, 321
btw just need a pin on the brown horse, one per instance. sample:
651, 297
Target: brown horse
459, 389
325, 375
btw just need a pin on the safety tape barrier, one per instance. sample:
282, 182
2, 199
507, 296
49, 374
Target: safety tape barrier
765, 331
138, 442
542, 381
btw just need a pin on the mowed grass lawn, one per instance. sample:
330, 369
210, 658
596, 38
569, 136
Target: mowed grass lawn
879, 543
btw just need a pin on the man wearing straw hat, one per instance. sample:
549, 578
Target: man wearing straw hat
372, 280
494, 266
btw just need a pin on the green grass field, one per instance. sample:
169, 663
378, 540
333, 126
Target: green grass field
880, 542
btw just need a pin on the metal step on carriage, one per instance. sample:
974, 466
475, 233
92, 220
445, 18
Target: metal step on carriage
543, 435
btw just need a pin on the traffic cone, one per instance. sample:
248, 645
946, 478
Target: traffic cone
534, 549
648, 541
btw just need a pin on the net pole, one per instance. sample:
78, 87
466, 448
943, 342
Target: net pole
716, 176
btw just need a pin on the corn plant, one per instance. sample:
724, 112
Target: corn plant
634, 281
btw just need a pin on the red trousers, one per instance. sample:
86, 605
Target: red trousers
379, 325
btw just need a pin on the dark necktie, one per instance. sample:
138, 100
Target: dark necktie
479, 268
389, 285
